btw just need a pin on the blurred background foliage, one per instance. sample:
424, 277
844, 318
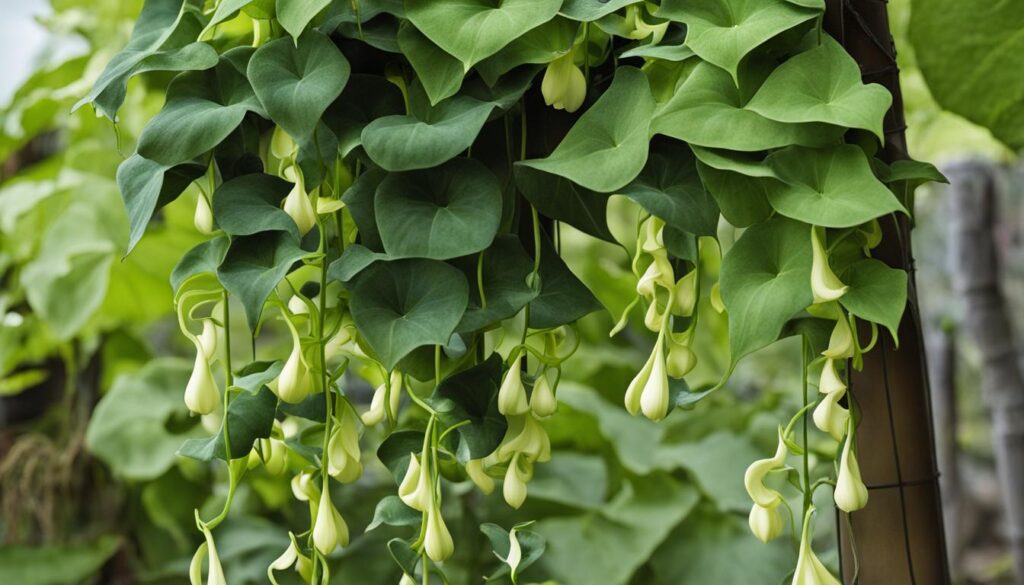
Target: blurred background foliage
91, 489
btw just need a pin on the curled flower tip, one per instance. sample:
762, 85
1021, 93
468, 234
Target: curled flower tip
840, 344
415, 489
302, 487
512, 394
830, 382
830, 417
294, 383
287, 559
564, 87
653, 317
476, 473
825, 285
542, 399
756, 473
298, 206
437, 541
636, 387
809, 569
376, 412
851, 494
203, 218
654, 397
215, 573
330, 530
208, 339
766, 523
514, 487
653, 237
201, 393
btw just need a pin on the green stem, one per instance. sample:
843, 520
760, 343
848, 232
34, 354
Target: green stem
805, 360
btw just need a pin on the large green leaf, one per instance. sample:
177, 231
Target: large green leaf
364, 99
428, 137
670, 188
822, 85
723, 32
504, 277
254, 265
473, 30
607, 147
163, 40
591, 10
707, 110
739, 183
877, 293
202, 109
440, 73
296, 81
563, 297
251, 204
129, 430
831, 187
562, 200
204, 258
617, 539
56, 564
404, 304
295, 15
147, 186
250, 417
974, 72
359, 199
766, 280
472, 395
543, 44
439, 213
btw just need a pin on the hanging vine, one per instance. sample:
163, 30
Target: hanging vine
381, 180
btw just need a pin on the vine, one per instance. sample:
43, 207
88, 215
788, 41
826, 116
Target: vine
359, 192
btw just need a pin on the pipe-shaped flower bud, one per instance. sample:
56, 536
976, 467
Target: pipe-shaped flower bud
756, 473
329, 530
809, 569
830, 417
514, 487
275, 455
343, 448
294, 383
298, 206
563, 86
654, 396
215, 573
208, 339
512, 394
681, 359
201, 394
437, 541
825, 285
766, 523
840, 343
830, 382
542, 399
635, 388
851, 494
203, 218
416, 489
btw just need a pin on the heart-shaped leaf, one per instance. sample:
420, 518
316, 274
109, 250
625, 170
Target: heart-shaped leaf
147, 186
352, 261
404, 304
670, 188
591, 10
562, 200
473, 30
395, 451
439, 213
428, 137
295, 15
766, 279
359, 199
504, 276
707, 110
822, 85
472, 395
563, 297
877, 293
251, 204
831, 187
543, 44
254, 265
250, 417
723, 32
297, 80
739, 183
202, 109
392, 511
204, 258
607, 147
163, 40
364, 99
440, 73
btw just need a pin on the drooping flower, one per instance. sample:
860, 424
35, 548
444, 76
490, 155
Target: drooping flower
416, 489
201, 393
329, 530
292, 556
825, 285
654, 396
685, 297
765, 523
437, 541
281, 145
476, 473
809, 569
302, 486
830, 382
512, 394
515, 552
830, 416
203, 218
851, 494
681, 359
564, 87
343, 448
208, 339
525, 435
542, 399
299, 207
756, 473
294, 383
514, 487
637, 385
275, 455
214, 573
840, 343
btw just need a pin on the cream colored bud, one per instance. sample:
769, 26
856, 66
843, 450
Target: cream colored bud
685, 298
512, 394
215, 573
766, 523
809, 569
437, 541
681, 359
514, 487
302, 487
654, 396
298, 206
830, 417
376, 413
201, 393
416, 489
564, 87
275, 454
476, 473
756, 473
840, 343
851, 494
336, 345
825, 285
281, 145
330, 530
635, 388
515, 552
294, 383
203, 218
208, 339
830, 382
542, 399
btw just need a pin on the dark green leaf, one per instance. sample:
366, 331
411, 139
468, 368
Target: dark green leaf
670, 188
250, 417
251, 204
472, 395
877, 293
147, 186
563, 298
562, 200
505, 270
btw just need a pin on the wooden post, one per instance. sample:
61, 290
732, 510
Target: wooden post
898, 538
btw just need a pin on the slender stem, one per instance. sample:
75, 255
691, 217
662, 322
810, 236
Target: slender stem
805, 357
480, 280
